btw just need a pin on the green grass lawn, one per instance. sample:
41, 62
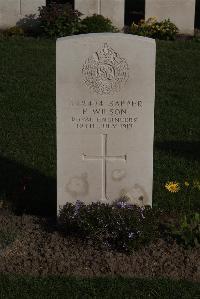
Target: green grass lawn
27, 90
68, 288
177, 123
28, 149
28, 120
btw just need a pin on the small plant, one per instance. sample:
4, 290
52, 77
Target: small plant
59, 20
97, 23
14, 31
120, 226
164, 30
186, 231
174, 186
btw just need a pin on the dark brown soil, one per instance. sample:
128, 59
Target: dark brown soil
30, 249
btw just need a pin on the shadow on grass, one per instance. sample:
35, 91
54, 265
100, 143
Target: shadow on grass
186, 149
18, 286
26, 190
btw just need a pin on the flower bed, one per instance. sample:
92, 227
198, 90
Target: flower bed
37, 250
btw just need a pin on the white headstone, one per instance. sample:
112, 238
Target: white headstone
112, 9
105, 118
180, 12
11, 11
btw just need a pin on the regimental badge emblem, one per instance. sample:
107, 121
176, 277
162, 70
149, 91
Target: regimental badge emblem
105, 72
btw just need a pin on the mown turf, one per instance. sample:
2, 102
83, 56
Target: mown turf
177, 123
68, 288
27, 89
28, 120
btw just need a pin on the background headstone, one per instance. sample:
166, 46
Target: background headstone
112, 9
180, 12
105, 118
12, 11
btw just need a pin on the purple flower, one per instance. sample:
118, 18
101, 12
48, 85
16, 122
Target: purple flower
142, 210
129, 205
131, 235
77, 207
121, 204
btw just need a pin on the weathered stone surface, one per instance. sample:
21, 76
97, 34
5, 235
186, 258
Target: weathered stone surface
180, 12
12, 11
105, 118
31, 7
112, 9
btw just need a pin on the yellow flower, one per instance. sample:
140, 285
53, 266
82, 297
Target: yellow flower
151, 20
196, 184
186, 184
154, 18
172, 187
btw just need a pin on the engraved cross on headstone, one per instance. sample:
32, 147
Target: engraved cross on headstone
20, 7
104, 158
99, 7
